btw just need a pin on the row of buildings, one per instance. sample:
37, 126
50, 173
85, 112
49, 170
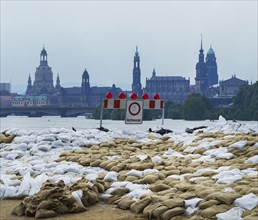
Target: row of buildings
43, 91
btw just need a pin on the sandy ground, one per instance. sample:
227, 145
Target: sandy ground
99, 211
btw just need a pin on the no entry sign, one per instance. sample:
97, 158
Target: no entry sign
134, 109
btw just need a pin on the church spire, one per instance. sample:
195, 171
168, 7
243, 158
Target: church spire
43, 57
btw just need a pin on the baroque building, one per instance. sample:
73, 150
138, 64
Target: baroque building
206, 72
170, 88
137, 86
43, 83
85, 95
230, 87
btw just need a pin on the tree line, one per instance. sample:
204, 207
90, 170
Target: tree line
197, 107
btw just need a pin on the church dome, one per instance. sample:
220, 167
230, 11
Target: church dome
211, 51
43, 51
85, 74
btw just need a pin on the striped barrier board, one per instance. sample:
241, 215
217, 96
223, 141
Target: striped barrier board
121, 104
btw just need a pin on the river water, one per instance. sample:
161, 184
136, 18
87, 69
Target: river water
42, 123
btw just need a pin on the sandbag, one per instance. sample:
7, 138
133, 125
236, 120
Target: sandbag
158, 187
212, 211
120, 191
173, 212
158, 212
125, 203
175, 202
138, 206
43, 213
206, 204
19, 210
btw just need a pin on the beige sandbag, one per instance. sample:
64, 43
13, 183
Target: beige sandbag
212, 211
44, 213
62, 209
203, 192
92, 197
158, 187
96, 163
175, 202
147, 211
131, 178
173, 212
183, 186
145, 166
227, 198
206, 204
77, 207
100, 187
19, 210
118, 167
149, 179
187, 170
125, 203
120, 191
138, 206
187, 195
250, 217
158, 212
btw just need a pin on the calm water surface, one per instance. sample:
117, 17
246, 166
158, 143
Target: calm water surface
81, 122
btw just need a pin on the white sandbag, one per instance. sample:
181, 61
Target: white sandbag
45, 147
239, 145
36, 183
135, 173
192, 202
248, 201
111, 176
190, 210
10, 191
25, 186
77, 195
253, 159
156, 159
234, 213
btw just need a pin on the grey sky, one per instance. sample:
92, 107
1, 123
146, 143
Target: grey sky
101, 36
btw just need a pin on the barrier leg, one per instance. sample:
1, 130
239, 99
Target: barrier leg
101, 115
163, 113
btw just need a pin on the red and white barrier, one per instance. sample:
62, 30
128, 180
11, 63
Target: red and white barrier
133, 105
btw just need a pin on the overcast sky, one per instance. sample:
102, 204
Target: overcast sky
102, 35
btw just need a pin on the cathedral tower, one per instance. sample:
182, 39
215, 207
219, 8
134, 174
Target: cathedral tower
43, 83
137, 86
201, 80
211, 67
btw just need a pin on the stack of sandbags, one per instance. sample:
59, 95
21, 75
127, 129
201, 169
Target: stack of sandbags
56, 198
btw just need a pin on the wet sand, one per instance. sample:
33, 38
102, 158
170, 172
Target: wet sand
99, 211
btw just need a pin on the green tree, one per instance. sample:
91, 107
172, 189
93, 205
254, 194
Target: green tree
195, 107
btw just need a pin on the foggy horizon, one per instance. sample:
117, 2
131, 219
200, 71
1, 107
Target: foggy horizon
102, 36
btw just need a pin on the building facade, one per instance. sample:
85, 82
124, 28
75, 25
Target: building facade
43, 83
85, 95
170, 88
136, 85
230, 87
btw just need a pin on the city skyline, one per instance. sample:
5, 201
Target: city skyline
102, 36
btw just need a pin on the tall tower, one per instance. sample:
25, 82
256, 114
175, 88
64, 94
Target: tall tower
137, 86
29, 86
211, 67
58, 85
201, 80
85, 83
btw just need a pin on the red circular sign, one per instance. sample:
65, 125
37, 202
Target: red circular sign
134, 108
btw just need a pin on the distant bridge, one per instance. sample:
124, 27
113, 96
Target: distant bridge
38, 111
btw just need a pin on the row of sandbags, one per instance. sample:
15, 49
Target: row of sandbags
56, 198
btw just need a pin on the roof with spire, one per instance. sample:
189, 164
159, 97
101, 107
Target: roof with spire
136, 52
43, 51
85, 74
210, 51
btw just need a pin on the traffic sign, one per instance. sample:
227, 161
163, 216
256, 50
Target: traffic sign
134, 112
